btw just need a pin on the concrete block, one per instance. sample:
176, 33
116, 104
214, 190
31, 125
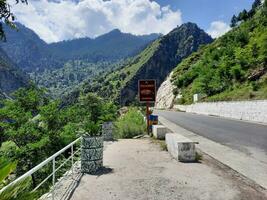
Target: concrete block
180, 147
159, 131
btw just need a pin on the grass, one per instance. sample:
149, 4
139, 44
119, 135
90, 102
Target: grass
130, 124
161, 143
199, 157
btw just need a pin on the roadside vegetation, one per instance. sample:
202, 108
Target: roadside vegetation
234, 67
130, 124
34, 127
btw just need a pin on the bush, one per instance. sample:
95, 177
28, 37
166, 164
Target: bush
130, 124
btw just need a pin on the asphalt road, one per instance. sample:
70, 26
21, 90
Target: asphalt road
241, 135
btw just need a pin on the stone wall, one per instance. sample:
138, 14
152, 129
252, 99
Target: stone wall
255, 111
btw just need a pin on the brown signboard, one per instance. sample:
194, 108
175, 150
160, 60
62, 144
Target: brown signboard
147, 90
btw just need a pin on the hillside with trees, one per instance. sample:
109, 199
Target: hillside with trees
11, 78
155, 62
33, 127
62, 81
234, 67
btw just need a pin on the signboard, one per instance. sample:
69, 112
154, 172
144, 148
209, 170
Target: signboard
147, 90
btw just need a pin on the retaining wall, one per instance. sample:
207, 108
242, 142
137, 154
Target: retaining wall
255, 111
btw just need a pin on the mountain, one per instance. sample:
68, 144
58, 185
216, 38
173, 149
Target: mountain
155, 62
11, 78
31, 53
102, 47
234, 67
27, 50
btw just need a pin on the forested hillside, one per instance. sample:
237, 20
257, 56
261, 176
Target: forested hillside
11, 78
108, 47
231, 68
155, 62
60, 82
32, 54
27, 50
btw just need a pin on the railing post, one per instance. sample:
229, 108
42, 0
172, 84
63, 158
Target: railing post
72, 161
54, 178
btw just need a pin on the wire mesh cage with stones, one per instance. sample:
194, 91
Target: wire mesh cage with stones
91, 154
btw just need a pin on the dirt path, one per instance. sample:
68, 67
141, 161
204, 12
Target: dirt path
139, 169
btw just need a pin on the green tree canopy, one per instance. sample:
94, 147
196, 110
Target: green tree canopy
7, 16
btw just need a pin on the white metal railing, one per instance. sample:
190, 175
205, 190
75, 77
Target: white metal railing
44, 163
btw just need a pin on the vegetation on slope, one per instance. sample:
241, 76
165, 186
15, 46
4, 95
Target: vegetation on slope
60, 82
11, 78
130, 124
33, 127
109, 85
231, 68
155, 62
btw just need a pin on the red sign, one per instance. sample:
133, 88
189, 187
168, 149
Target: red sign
147, 90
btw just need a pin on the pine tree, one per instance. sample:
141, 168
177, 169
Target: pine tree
256, 4
243, 15
234, 21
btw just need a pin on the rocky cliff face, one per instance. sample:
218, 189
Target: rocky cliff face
168, 51
165, 96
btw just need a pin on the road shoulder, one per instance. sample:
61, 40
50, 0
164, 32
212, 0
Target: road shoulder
247, 166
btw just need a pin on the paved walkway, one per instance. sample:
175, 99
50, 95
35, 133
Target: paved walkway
139, 169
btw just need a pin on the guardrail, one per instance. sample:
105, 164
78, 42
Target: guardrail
44, 163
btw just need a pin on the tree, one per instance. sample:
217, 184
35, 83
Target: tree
234, 21
243, 15
7, 16
256, 4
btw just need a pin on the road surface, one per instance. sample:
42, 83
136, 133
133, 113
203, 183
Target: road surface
248, 137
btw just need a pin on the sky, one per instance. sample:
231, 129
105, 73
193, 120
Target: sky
57, 20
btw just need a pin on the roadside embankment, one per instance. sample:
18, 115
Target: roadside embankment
254, 111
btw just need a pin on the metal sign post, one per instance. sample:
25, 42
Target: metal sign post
147, 94
147, 117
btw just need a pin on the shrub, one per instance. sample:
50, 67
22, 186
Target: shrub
130, 124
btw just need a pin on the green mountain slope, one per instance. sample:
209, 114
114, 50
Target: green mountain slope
155, 62
231, 68
59, 82
11, 78
102, 47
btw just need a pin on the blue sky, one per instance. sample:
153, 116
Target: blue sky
57, 20
203, 12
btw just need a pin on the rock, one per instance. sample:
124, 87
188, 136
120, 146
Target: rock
165, 96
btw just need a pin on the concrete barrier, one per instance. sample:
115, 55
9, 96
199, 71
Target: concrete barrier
159, 131
180, 147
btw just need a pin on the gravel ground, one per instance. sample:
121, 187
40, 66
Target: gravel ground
139, 169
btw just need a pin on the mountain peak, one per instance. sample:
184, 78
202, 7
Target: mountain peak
115, 32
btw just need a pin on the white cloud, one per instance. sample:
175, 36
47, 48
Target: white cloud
65, 19
218, 28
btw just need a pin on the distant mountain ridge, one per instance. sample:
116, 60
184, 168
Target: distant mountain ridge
31, 53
